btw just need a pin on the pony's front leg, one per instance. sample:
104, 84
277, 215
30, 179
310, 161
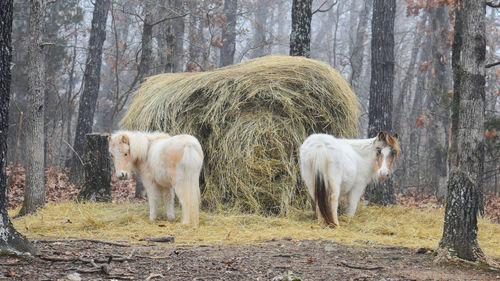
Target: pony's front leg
154, 198
353, 199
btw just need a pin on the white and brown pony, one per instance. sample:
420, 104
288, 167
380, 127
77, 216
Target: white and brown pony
333, 168
167, 165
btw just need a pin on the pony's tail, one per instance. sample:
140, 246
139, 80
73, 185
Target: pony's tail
190, 165
321, 197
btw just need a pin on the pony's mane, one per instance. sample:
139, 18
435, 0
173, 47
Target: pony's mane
138, 143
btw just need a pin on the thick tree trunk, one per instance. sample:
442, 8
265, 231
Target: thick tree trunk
300, 37
92, 79
229, 33
381, 85
34, 193
97, 185
464, 197
11, 241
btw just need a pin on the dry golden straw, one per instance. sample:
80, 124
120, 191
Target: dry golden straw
250, 119
393, 225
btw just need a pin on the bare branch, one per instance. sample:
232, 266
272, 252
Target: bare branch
169, 18
492, 64
326, 10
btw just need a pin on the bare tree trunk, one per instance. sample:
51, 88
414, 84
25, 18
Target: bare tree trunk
413, 157
92, 79
381, 86
194, 50
335, 32
11, 241
144, 68
178, 33
228, 33
300, 37
407, 82
438, 103
260, 24
69, 108
359, 47
399, 120
34, 193
465, 197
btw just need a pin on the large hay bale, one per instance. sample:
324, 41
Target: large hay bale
251, 119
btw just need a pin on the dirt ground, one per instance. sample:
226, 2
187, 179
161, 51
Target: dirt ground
281, 259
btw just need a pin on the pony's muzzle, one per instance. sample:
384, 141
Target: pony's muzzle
121, 175
383, 174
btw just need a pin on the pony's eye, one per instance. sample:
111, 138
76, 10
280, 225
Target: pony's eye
126, 154
393, 152
379, 151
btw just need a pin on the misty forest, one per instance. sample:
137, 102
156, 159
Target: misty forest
90, 90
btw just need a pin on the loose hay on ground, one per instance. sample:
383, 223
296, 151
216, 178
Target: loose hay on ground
396, 226
250, 119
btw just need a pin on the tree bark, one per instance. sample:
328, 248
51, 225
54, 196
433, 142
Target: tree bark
300, 37
381, 86
466, 154
34, 193
92, 78
97, 185
229, 33
11, 241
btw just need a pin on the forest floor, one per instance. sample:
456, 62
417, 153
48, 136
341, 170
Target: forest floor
275, 259
272, 260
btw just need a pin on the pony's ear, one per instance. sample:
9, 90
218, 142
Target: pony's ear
381, 136
125, 139
109, 139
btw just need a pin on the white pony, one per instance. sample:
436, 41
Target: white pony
166, 164
332, 168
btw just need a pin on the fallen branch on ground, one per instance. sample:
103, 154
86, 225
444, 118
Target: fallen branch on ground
360, 267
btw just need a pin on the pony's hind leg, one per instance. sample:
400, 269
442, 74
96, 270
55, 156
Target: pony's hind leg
334, 192
168, 195
334, 201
